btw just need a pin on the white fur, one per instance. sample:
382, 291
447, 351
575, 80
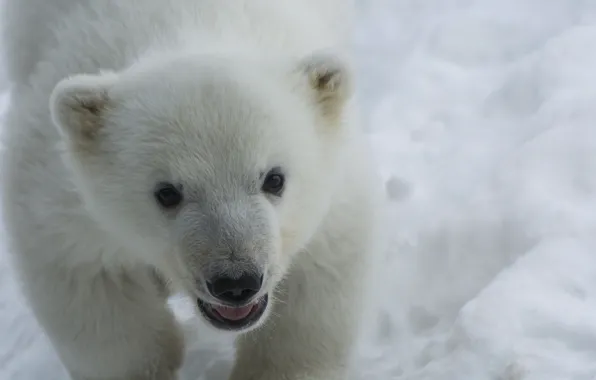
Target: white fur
111, 97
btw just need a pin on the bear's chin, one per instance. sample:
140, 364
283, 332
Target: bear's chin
234, 319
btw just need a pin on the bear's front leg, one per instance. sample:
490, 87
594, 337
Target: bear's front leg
313, 325
106, 324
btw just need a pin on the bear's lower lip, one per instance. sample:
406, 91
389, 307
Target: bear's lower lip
233, 318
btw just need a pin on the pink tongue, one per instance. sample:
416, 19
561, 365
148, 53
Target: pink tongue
234, 313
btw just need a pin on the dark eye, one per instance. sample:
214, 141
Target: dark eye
274, 182
167, 195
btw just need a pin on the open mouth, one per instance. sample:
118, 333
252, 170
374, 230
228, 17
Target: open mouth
233, 317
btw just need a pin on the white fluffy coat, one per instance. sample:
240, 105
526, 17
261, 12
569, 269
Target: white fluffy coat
87, 283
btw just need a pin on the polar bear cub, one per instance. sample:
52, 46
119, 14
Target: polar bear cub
199, 146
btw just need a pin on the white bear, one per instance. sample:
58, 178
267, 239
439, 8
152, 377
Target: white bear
200, 146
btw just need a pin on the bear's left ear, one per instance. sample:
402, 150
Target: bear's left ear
330, 79
78, 105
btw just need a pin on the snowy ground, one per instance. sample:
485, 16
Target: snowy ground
483, 113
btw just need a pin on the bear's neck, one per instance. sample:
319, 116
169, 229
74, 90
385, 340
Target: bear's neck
233, 43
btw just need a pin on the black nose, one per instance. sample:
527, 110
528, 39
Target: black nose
235, 290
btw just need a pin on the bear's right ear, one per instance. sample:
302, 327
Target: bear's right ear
330, 81
78, 105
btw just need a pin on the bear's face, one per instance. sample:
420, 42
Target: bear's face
214, 173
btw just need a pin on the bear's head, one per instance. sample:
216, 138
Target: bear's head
215, 171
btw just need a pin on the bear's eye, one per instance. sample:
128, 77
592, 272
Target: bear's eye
167, 195
274, 182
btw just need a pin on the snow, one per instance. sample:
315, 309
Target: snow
482, 115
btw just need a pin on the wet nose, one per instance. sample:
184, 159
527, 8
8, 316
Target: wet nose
235, 291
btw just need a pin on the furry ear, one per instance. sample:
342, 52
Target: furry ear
78, 105
331, 80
